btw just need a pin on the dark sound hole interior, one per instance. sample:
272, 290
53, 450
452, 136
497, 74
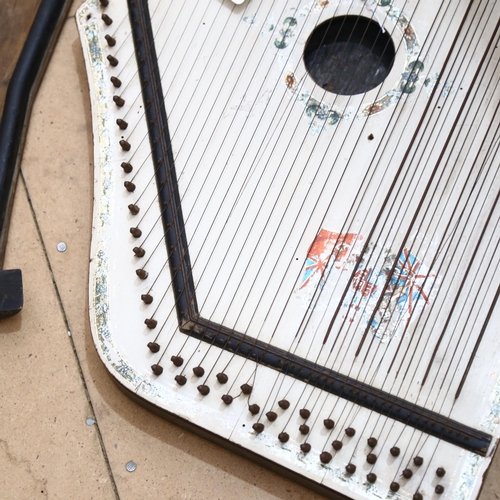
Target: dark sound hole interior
349, 55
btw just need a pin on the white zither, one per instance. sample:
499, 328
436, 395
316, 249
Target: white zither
355, 230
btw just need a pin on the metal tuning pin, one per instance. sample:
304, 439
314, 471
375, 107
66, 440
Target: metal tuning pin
118, 101
122, 124
372, 442
350, 468
304, 429
151, 323
246, 389
371, 477
125, 145
129, 186
325, 457
329, 423
157, 369
146, 298
180, 379
337, 445
439, 489
395, 451
198, 371
112, 60
440, 472
227, 399
350, 432
254, 409
222, 378
141, 273
154, 347
204, 390
139, 252
371, 458
305, 413
394, 486
111, 41
305, 447
134, 209
284, 404
407, 473
418, 461
258, 428
283, 437
177, 360
271, 416
135, 232
107, 20
116, 82
127, 167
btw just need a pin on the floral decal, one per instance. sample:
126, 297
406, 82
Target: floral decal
286, 32
406, 84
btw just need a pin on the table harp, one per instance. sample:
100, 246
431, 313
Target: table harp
295, 232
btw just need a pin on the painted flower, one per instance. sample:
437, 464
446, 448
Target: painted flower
290, 80
374, 108
409, 32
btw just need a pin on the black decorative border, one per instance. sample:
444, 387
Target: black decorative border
189, 318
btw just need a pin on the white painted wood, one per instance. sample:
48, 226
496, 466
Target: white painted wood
262, 172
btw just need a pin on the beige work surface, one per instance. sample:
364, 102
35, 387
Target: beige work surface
52, 381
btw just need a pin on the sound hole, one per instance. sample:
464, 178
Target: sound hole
349, 55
